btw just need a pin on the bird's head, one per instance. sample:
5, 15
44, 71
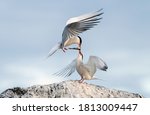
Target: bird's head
80, 41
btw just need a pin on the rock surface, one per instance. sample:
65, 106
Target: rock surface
67, 89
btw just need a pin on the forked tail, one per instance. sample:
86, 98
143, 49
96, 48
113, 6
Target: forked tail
54, 49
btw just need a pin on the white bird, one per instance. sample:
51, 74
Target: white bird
86, 71
74, 27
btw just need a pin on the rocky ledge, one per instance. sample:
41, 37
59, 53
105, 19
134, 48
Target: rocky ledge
67, 89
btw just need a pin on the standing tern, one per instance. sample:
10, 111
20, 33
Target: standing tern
74, 27
86, 71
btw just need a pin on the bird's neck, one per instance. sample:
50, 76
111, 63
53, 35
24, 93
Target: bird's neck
80, 58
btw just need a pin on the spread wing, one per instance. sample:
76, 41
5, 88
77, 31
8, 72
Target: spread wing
77, 25
100, 64
68, 70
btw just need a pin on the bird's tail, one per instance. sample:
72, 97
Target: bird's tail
54, 49
96, 78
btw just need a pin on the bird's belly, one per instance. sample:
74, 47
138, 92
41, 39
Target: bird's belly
84, 73
71, 41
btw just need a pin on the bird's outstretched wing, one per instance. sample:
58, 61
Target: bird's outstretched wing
54, 49
68, 70
100, 64
77, 25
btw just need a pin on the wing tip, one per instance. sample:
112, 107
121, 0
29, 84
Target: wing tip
105, 68
99, 11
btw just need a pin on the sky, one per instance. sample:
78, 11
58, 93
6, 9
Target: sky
30, 28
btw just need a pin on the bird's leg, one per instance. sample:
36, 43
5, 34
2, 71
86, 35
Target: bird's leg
64, 49
81, 80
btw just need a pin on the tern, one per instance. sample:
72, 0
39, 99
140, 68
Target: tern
86, 71
74, 27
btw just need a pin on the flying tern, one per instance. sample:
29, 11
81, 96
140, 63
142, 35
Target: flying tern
74, 27
86, 71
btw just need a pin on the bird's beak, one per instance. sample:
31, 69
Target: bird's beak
74, 48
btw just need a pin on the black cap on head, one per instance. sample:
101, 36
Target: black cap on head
80, 40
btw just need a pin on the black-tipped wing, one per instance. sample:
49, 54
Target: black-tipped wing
100, 64
77, 25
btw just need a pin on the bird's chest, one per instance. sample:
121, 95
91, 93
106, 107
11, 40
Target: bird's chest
79, 69
70, 41
83, 71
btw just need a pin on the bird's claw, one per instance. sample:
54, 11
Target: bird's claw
81, 81
64, 49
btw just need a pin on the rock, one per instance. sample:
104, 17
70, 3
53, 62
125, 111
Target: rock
67, 89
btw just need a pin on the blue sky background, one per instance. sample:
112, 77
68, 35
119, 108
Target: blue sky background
30, 28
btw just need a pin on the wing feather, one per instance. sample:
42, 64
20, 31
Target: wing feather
100, 64
77, 25
67, 71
